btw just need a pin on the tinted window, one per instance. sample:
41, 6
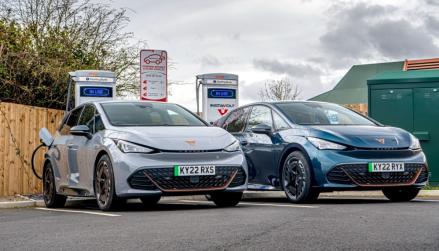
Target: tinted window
235, 122
260, 115
279, 123
310, 113
149, 114
71, 121
87, 117
99, 125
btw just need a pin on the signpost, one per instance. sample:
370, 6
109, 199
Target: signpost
220, 94
154, 75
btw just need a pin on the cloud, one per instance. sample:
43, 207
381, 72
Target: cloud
363, 31
210, 60
432, 23
293, 70
432, 2
401, 39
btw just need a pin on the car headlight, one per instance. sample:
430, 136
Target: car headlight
414, 144
324, 144
233, 147
128, 147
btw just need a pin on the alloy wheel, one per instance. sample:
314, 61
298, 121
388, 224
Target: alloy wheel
103, 183
48, 185
294, 181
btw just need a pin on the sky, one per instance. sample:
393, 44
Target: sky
312, 42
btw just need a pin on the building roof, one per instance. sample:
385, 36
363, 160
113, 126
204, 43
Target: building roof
352, 88
402, 77
421, 64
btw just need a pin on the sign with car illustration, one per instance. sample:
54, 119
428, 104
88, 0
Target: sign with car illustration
154, 75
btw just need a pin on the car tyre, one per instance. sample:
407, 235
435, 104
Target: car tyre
104, 185
225, 199
401, 194
150, 200
297, 179
51, 198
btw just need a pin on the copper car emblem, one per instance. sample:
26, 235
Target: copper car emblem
191, 142
380, 140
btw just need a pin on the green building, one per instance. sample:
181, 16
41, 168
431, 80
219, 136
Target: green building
352, 88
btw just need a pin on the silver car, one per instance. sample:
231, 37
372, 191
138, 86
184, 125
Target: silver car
115, 150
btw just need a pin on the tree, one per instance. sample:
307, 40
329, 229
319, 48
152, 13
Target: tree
42, 40
278, 90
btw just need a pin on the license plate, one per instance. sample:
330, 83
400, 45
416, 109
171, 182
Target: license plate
193, 170
386, 167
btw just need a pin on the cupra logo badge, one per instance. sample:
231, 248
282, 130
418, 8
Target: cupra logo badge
380, 140
191, 142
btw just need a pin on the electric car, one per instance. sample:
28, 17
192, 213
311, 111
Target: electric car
305, 147
114, 150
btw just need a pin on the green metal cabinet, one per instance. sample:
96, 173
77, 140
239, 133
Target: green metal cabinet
410, 100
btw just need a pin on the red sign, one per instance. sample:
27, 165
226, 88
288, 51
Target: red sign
154, 75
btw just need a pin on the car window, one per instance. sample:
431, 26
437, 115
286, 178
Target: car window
71, 121
260, 115
99, 125
87, 117
316, 113
279, 123
235, 122
149, 114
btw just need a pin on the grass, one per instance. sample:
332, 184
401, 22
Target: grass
431, 187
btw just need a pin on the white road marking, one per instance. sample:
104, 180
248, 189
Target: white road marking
76, 211
258, 204
422, 200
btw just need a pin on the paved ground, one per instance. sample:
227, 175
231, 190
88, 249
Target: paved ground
256, 224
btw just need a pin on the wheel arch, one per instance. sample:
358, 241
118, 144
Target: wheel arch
98, 157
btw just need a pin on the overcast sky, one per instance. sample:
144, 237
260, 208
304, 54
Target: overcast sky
312, 42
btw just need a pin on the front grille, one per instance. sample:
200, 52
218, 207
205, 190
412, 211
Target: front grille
360, 175
239, 179
138, 180
337, 175
164, 179
423, 176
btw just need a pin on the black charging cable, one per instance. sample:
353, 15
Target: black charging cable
33, 158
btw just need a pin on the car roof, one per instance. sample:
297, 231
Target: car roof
283, 102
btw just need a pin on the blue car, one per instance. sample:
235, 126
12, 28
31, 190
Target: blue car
305, 148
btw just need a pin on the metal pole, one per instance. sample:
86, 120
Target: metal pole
197, 90
68, 94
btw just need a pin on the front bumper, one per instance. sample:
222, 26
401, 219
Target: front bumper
348, 170
139, 175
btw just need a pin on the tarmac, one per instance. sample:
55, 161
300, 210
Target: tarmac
21, 201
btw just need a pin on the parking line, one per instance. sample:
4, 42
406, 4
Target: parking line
77, 211
259, 204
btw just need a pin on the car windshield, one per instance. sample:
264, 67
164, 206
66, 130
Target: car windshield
149, 114
309, 113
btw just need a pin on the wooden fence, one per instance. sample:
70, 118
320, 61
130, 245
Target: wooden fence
361, 108
19, 128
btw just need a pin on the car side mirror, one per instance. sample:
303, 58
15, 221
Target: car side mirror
81, 130
262, 129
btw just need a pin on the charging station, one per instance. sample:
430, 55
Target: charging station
91, 85
219, 94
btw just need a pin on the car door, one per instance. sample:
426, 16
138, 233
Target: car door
81, 150
61, 144
259, 148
